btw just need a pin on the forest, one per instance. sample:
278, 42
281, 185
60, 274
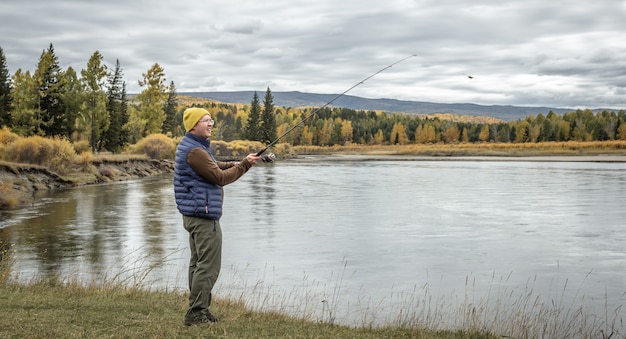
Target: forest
92, 106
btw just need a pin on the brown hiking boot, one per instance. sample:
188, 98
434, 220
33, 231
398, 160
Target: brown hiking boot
201, 318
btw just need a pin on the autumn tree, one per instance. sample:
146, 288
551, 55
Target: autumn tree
306, 137
150, 116
324, 132
451, 134
25, 113
425, 133
95, 115
346, 131
398, 134
483, 136
73, 97
379, 137
621, 131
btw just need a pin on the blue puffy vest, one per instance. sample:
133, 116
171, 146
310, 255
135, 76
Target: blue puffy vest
195, 197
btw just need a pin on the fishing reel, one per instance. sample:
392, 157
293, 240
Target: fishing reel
268, 157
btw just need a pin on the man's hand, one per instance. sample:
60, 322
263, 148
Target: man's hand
253, 158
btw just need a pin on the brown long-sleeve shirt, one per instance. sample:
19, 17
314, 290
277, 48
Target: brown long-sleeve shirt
221, 173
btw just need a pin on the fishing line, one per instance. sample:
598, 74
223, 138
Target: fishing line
270, 157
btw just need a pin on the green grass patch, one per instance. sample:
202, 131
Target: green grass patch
54, 310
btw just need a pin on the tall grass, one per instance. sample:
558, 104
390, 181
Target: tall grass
504, 312
6, 260
125, 303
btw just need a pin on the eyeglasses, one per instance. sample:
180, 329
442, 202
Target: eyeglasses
210, 121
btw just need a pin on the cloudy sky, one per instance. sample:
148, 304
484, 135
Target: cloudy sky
566, 53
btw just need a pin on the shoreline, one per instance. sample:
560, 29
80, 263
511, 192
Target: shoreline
20, 181
604, 158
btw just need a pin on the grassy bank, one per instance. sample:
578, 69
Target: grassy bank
572, 148
53, 310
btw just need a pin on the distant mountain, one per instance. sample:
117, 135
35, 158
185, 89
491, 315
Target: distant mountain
300, 99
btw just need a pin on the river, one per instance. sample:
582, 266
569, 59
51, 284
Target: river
360, 242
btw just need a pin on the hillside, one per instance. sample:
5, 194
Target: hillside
300, 99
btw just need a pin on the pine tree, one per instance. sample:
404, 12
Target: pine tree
5, 92
49, 77
171, 104
112, 138
253, 130
268, 119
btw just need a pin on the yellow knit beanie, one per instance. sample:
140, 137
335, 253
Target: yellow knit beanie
192, 115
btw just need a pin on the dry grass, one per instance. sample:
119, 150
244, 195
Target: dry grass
484, 149
122, 306
155, 146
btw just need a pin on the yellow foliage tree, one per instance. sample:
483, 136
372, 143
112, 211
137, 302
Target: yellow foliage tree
346, 131
452, 134
398, 134
621, 132
306, 137
379, 138
425, 134
484, 134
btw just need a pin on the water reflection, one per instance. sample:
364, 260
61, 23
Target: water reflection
357, 234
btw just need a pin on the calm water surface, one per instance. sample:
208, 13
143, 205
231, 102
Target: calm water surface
356, 242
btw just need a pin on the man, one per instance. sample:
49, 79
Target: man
198, 189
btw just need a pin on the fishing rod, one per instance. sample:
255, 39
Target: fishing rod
270, 157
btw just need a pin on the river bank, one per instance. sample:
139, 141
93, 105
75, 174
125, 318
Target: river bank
18, 182
404, 157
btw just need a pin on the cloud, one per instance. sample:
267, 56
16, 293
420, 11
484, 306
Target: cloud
532, 53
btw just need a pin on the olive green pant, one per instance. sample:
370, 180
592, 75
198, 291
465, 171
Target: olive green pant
205, 243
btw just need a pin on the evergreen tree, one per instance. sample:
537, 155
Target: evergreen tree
253, 130
5, 92
49, 77
112, 139
228, 128
124, 117
268, 119
171, 104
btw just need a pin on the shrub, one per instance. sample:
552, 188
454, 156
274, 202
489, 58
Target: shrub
63, 153
155, 146
84, 160
57, 153
81, 146
7, 137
